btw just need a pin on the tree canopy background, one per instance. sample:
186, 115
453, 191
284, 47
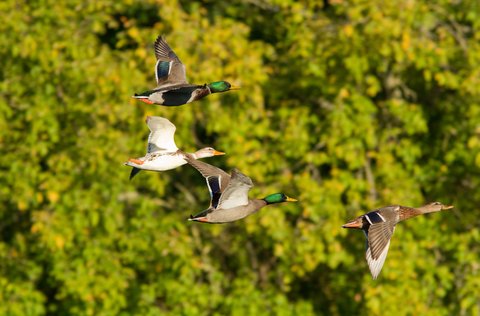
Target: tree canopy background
345, 105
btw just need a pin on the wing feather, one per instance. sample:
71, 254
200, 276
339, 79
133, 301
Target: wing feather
236, 193
161, 136
217, 179
214, 186
208, 170
169, 69
378, 242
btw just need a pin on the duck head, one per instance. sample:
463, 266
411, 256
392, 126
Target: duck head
207, 152
434, 207
221, 86
278, 198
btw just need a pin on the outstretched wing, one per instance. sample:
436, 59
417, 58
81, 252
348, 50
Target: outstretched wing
217, 179
208, 170
378, 242
161, 135
169, 69
236, 193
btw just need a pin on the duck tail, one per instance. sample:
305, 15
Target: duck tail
134, 172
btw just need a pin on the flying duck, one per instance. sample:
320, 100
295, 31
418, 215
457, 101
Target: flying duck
229, 200
162, 152
172, 86
379, 225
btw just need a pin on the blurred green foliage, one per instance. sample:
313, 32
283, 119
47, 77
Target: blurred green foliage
345, 105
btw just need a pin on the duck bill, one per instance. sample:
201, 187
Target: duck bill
235, 88
218, 153
289, 199
353, 224
447, 207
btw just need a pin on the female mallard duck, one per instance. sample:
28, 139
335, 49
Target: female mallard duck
162, 153
379, 226
229, 195
173, 88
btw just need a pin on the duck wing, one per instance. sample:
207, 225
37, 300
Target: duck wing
236, 193
169, 70
378, 236
217, 179
161, 136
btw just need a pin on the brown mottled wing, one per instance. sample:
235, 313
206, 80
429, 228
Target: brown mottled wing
378, 242
217, 179
169, 70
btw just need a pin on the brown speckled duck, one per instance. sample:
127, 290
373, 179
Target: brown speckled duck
379, 226
172, 86
229, 195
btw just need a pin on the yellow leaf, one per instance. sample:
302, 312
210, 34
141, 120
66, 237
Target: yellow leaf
133, 32
405, 41
477, 160
348, 30
59, 241
53, 196
22, 205
36, 227
39, 197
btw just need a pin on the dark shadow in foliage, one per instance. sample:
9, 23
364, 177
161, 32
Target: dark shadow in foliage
145, 15
312, 287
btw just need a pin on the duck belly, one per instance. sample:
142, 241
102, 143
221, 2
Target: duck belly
162, 163
232, 214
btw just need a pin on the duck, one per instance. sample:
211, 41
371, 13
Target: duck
229, 200
162, 152
172, 86
379, 225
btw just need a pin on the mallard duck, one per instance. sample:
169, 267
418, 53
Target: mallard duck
162, 153
379, 226
229, 200
172, 86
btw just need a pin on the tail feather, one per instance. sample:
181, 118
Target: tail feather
134, 172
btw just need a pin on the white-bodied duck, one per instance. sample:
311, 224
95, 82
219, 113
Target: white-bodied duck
162, 152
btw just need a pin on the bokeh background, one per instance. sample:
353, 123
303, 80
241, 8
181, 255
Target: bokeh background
345, 105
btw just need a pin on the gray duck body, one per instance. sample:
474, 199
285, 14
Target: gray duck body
229, 200
213, 216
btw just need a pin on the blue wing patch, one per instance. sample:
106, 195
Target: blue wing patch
162, 69
374, 217
214, 188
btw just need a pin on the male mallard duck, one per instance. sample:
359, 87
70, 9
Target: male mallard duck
379, 226
229, 195
173, 88
162, 153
